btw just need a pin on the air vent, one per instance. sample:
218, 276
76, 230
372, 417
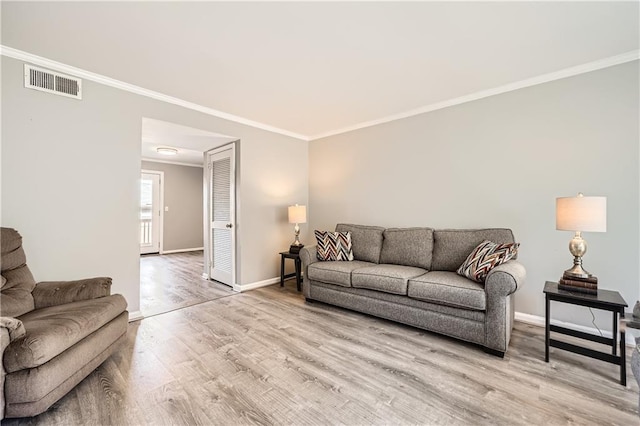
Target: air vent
52, 82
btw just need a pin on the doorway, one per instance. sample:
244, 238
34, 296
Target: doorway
151, 193
174, 278
220, 210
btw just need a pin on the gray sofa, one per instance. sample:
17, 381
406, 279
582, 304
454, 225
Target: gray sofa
52, 334
408, 275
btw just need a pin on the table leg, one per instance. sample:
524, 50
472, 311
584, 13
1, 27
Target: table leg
623, 353
298, 273
615, 333
547, 329
281, 271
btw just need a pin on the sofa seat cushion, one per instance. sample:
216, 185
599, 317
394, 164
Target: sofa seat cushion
52, 330
338, 273
385, 277
448, 288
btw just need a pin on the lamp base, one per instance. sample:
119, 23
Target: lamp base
295, 249
578, 248
577, 272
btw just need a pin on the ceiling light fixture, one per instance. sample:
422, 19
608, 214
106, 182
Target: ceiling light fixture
167, 151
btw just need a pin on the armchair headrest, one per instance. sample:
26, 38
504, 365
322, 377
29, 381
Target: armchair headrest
11, 254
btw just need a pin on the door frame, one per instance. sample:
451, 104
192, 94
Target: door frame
161, 202
235, 231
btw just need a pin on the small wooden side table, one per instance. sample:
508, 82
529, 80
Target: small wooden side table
298, 264
606, 300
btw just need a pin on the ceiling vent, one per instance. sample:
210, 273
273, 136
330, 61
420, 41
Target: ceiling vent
52, 82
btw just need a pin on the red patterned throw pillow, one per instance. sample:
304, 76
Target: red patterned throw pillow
334, 245
484, 258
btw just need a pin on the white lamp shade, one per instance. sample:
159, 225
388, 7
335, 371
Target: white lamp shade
584, 214
297, 214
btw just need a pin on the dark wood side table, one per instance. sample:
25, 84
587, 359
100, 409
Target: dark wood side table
606, 300
296, 259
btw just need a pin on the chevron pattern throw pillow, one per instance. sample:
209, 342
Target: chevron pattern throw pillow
484, 258
334, 245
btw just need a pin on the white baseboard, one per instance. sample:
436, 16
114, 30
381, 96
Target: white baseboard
251, 286
182, 250
539, 321
135, 316
529, 319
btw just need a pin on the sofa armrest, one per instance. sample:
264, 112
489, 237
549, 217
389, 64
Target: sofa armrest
501, 283
308, 255
53, 293
505, 279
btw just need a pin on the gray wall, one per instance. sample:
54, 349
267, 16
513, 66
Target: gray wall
70, 181
183, 195
501, 162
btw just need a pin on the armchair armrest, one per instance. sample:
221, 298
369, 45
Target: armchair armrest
10, 330
13, 327
53, 293
505, 279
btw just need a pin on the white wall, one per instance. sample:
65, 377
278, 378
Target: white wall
501, 162
70, 181
279, 177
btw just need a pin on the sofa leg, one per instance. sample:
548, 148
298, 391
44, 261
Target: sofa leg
308, 300
494, 352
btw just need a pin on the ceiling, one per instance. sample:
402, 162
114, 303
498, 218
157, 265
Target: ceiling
315, 68
191, 143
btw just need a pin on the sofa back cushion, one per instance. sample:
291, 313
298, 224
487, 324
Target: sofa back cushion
452, 246
366, 241
17, 281
408, 247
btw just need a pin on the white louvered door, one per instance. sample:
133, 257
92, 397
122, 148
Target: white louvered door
221, 166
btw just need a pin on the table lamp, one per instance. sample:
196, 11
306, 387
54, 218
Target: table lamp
580, 214
297, 215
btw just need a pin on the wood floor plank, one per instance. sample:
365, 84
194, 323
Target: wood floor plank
266, 357
174, 281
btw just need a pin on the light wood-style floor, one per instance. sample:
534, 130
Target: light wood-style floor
174, 281
267, 357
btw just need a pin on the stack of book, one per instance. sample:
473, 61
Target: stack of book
581, 285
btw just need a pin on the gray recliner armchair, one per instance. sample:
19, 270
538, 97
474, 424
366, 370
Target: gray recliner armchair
52, 334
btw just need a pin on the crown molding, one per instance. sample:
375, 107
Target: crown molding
107, 81
631, 56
